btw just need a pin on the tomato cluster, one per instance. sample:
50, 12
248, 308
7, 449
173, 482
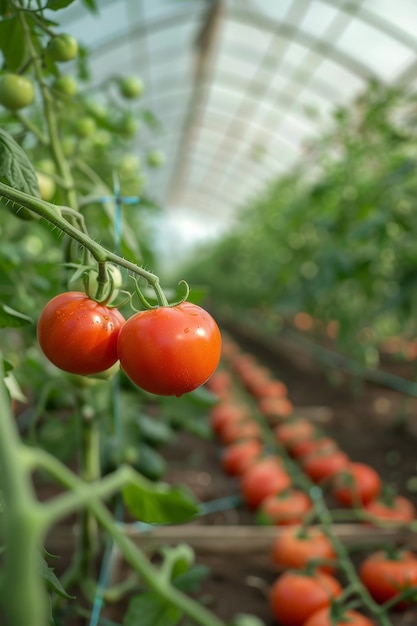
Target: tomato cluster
306, 591
165, 351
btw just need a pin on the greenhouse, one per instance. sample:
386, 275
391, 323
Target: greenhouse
208, 312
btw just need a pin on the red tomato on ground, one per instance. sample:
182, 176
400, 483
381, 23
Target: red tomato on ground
287, 507
322, 464
238, 457
78, 334
385, 576
296, 547
347, 618
170, 351
262, 479
400, 509
356, 484
293, 431
225, 413
296, 595
242, 429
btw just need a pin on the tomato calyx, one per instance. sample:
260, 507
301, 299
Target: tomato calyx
162, 300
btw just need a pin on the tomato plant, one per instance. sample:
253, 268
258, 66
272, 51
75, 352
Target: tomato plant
356, 484
245, 428
294, 431
170, 350
297, 547
296, 595
78, 334
16, 91
262, 479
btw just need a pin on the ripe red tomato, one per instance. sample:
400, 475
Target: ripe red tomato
386, 575
322, 464
78, 334
300, 449
274, 407
349, 617
296, 547
225, 413
400, 509
356, 484
296, 595
246, 428
170, 351
293, 431
287, 507
239, 456
262, 479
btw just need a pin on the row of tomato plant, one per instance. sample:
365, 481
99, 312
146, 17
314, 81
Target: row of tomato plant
334, 238
297, 478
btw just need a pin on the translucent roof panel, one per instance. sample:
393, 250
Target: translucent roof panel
241, 86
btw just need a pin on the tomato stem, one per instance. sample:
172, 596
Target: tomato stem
51, 213
22, 528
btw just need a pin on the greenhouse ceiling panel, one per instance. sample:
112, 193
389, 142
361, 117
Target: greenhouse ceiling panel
242, 87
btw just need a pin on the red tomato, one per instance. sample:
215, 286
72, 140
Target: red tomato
242, 429
262, 479
347, 618
293, 431
296, 595
170, 351
296, 547
356, 484
322, 464
272, 406
287, 507
300, 449
385, 576
238, 457
78, 334
224, 413
220, 383
401, 509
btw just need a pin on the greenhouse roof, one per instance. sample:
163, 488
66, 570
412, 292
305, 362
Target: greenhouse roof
241, 87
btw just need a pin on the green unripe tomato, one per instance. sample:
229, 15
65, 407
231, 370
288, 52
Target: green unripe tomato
16, 92
47, 166
155, 158
47, 186
131, 87
85, 127
62, 48
102, 139
128, 126
66, 85
129, 164
68, 146
96, 110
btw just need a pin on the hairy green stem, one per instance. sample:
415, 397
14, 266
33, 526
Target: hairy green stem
50, 117
50, 213
23, 592
91, 496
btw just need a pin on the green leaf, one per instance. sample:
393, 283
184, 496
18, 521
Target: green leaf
9, 318
16, 169
14, 389
91, 5
190, 582
52, 581
149, 609
13, 43
159, 503
56, 5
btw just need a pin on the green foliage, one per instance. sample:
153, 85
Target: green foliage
336, 237
158, 503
